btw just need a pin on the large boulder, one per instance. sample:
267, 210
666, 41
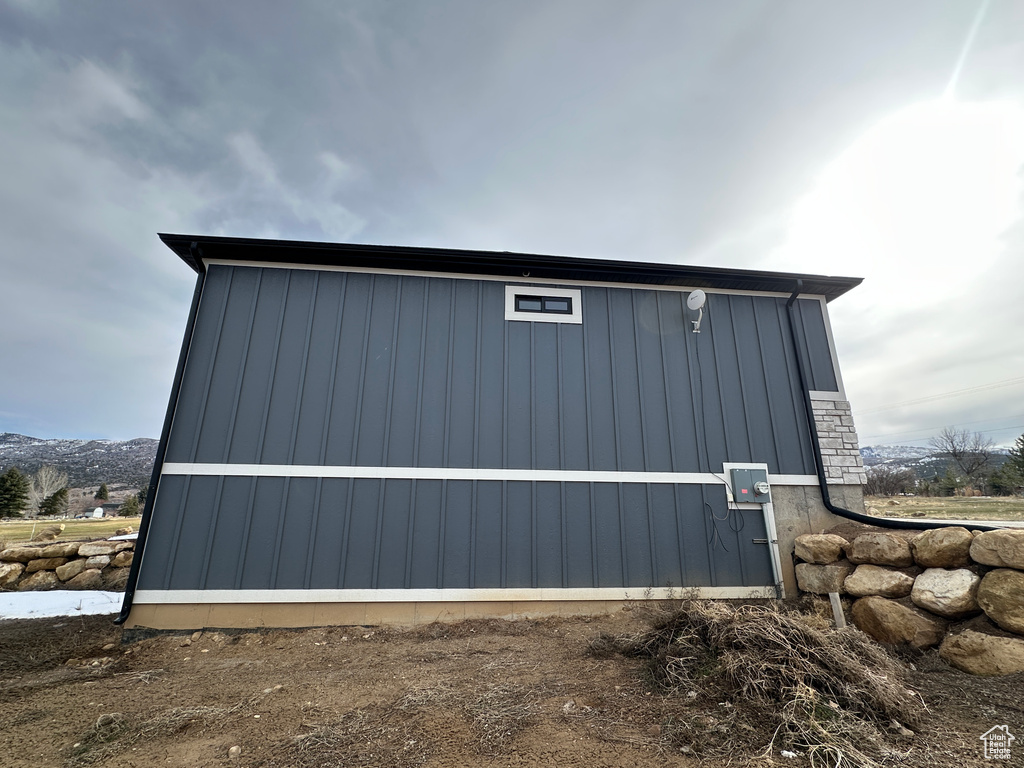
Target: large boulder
49, 533
90, 548
822, 579
70, 570
1001, 597
1003, 548
878, 580
91, 578
952, 594
983, 654
880, 549
942, 548
122, 559
61, 549
897, 624
10, 573
819, 548
21, 554
38, 581
45, 564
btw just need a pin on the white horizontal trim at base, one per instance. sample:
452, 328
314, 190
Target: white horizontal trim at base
464, 473
212, 596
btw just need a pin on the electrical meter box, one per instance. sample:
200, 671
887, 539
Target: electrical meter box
751, 485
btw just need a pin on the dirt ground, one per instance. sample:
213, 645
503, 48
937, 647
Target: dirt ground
477, 693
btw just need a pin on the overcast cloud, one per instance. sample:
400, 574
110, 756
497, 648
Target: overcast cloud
823, 137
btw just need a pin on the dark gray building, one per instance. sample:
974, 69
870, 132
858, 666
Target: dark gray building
359, 434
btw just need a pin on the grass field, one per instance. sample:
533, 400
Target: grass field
948, 507
15, 531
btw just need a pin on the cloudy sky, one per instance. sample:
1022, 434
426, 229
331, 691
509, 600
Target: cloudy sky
873, 138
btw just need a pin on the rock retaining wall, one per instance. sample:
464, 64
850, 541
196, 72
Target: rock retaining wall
66, 565
959, 589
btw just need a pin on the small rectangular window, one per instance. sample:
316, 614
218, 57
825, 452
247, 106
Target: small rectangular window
557, 304
543, 304
529, 304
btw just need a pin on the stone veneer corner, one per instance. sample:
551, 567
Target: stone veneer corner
837, 437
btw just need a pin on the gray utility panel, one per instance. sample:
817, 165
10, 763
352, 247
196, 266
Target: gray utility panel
334, 369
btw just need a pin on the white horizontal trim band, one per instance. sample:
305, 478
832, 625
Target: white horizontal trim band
464, 473
793, 479
209, 596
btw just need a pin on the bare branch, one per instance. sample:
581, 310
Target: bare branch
968, 452
887, 480
46, 482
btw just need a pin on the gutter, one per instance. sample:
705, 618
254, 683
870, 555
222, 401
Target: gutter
161, 451
496, 264
819, 464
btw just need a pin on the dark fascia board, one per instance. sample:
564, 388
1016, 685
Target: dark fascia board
194, 248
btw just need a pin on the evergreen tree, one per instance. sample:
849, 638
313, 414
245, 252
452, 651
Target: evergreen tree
102, 494
129, 507
142, 495
1017, 456
949, 484
1006, 480
55, 504
14, 488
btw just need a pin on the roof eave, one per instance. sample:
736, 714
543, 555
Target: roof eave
192, 249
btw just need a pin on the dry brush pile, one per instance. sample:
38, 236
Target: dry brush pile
772, 680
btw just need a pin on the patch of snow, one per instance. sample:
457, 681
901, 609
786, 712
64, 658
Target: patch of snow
36, 605
895, 452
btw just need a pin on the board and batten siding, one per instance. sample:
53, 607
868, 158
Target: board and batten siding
305, 367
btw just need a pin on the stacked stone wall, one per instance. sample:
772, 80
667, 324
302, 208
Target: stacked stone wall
949, 587
837, 438
100, 564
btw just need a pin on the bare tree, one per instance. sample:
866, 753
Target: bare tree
968, 452
46, 482
887, 480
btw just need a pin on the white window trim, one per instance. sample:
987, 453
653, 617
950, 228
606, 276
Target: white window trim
575, 294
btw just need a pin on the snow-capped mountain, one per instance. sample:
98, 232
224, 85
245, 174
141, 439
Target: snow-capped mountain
87, 462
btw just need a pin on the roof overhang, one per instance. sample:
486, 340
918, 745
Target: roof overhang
193, 249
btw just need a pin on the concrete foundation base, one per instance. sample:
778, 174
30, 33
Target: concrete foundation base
800, 510
252, 615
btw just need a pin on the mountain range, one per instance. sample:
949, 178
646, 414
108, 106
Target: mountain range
87, 462
91, 462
